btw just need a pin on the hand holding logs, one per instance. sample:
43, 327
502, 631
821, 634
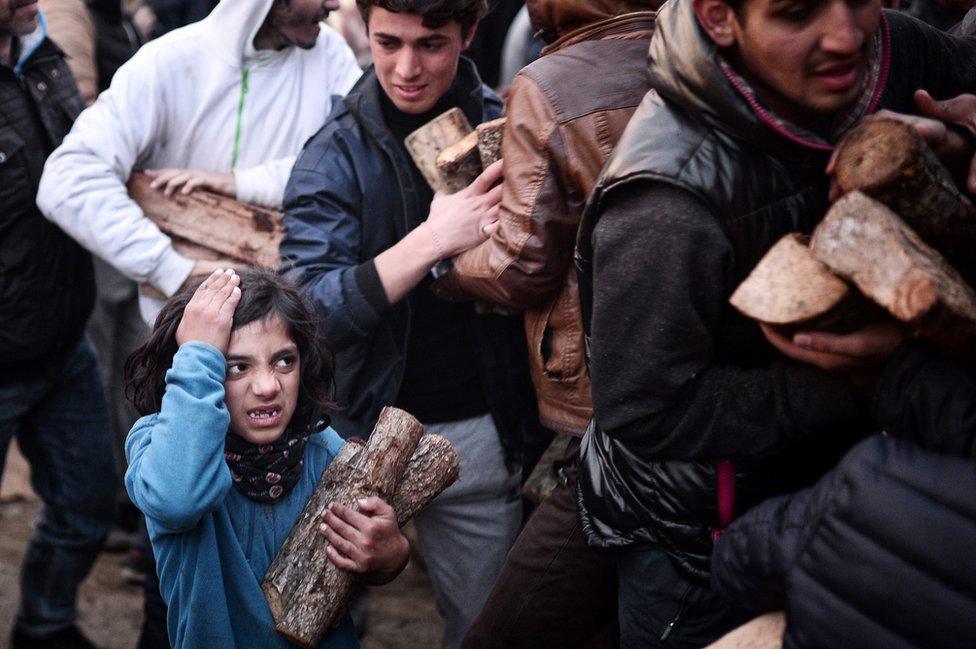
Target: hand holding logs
210, 225
305, 592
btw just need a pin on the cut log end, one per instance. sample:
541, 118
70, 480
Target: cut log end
427, 142
460, 163
789, 286
490, 140
875, 154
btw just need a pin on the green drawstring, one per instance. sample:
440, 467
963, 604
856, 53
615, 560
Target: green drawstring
240, 117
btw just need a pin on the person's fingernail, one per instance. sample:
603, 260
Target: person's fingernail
237, 290
324, 527
802, 340
218, 271
361, 502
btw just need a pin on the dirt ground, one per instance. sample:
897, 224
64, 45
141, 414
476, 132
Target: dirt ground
402, 613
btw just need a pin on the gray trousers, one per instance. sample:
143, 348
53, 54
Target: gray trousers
466, 532
116, 329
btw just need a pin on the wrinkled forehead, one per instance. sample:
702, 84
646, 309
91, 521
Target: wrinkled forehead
260, 337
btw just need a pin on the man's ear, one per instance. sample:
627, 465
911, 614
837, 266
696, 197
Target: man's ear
467, 37
718, 20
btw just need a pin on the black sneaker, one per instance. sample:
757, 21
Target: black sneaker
70, 638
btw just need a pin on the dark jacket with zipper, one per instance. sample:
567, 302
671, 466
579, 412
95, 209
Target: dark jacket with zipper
352, 195
837, 556
46, 280
877, 554
689, 381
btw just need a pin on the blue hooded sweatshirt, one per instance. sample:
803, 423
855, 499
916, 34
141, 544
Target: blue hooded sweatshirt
213, 545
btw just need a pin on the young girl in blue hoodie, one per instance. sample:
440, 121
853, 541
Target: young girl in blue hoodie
233, 383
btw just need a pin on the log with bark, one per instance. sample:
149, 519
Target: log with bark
864, 242
792, 290
490, 140
204, 220
890, 162
544, 477
460, 163
427, 142
306, 593
763, 632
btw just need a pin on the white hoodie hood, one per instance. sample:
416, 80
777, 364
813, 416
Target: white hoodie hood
199, 97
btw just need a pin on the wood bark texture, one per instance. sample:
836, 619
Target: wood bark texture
460, 163
305, 592
544, 478
243, 232
490, 140
866, 243
433, 467
427, 142
763, 632
890, 162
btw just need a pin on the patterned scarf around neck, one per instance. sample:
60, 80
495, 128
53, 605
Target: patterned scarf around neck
266, 472
866, 103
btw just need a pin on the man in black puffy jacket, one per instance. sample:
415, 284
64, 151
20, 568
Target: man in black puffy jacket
879, 552
51, 395
698, 415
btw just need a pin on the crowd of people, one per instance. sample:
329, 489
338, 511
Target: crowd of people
709, 468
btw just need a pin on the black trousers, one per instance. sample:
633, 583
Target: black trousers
659, 607
554, 591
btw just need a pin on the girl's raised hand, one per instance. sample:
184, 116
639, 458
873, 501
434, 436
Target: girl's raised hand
209, 314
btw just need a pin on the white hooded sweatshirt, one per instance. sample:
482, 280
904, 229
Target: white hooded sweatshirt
199, 97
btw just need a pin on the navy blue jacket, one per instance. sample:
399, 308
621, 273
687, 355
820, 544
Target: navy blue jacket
351, 196
878, 553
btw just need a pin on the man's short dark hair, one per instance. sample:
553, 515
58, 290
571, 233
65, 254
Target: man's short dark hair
435, 13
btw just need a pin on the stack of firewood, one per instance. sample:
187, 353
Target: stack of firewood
306, 593
900, 243
450, 154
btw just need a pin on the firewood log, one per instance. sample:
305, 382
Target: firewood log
543, 478
432, 468
305, 545
305, 592
763, 632
791, 289
460, 163
866, 243
490, 140
890, 162
427, 142
243, 232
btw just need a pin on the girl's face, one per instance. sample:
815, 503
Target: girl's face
263, 376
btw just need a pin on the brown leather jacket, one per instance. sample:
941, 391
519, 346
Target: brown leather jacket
565, 114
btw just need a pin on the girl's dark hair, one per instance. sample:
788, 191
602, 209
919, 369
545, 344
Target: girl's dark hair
435, 13
263, 294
